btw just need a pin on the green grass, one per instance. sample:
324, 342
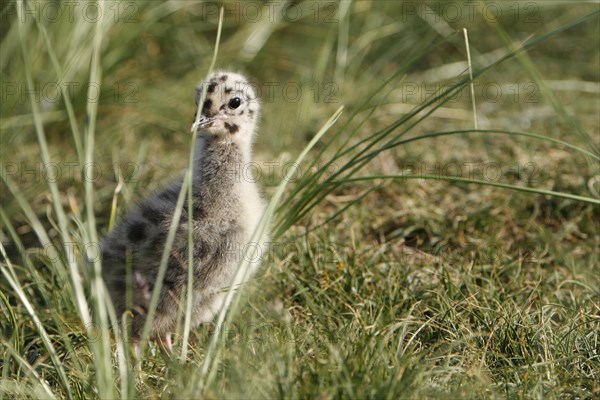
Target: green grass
412, 256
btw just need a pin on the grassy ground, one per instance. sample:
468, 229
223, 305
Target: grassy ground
420, 280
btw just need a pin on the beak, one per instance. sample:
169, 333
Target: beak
203, 121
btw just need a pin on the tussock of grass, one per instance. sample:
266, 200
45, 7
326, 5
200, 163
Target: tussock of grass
413, 256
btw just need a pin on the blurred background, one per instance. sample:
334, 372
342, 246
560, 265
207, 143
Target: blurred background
307, 59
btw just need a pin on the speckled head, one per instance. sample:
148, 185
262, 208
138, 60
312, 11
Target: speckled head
230, 108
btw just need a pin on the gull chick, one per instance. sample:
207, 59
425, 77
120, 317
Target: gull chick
226, 208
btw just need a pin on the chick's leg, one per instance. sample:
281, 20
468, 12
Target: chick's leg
165, 339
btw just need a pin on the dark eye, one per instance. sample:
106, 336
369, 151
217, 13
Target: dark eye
234, 103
